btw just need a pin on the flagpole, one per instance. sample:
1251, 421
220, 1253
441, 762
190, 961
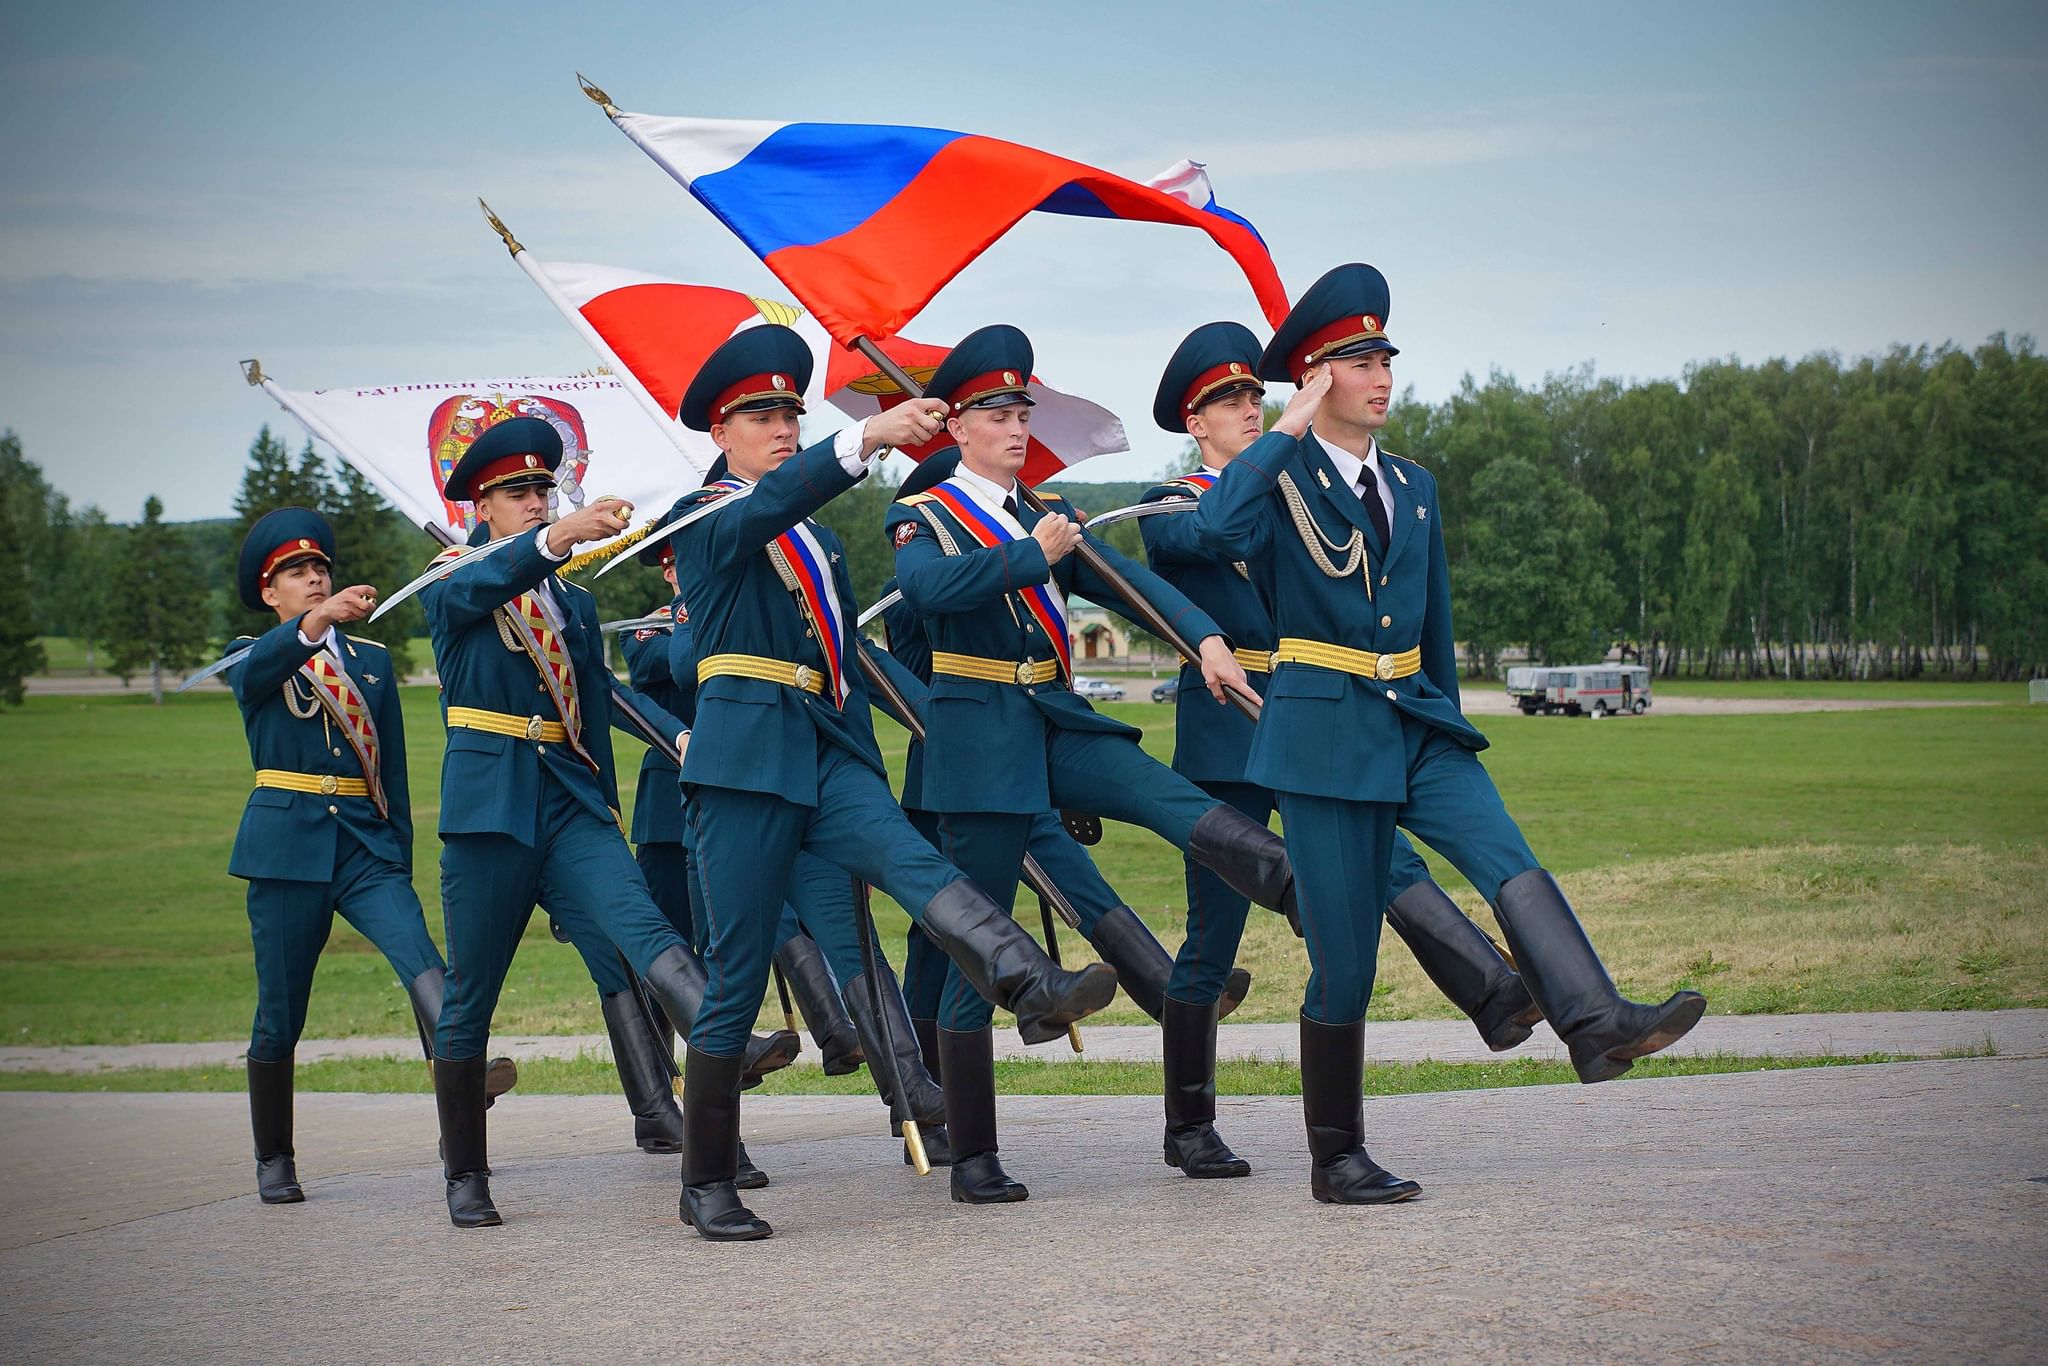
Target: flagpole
595, 341
1149, 616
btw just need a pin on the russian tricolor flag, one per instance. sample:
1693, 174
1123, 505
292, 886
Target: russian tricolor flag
663, 330
866, 222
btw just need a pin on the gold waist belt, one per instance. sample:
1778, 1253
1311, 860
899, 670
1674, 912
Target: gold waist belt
995, 670
1362, 663
1255, 661
767, 670
502, 723
321, 784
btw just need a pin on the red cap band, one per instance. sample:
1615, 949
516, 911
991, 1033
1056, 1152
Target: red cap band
298, 548
1212, 381
987, 386
753, 389
1355, 327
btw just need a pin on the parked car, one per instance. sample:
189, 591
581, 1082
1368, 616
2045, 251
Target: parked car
1580, 689
1098, 689
1166, 691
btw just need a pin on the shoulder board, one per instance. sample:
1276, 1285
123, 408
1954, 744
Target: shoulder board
706, 494
365, 640
450, 553
239, 639
914, 499
1049, 496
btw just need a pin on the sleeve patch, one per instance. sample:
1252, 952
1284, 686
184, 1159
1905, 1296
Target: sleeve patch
906, 532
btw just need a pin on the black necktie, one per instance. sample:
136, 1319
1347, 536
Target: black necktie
1369, 490
1010, 506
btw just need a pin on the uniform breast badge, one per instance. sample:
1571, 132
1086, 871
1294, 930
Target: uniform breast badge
1422, 514
1322, 479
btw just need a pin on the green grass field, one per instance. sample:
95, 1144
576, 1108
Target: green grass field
1845, 861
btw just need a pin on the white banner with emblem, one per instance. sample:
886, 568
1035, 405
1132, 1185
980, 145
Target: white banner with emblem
405, 438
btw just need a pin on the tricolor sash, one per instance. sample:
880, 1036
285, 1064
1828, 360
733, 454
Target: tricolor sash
524, 622
993, 527
806, 570
346, 706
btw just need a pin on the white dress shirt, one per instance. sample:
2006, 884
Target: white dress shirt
991, 495
1350, 467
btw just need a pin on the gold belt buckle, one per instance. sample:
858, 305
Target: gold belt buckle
1273, 662
535, 728
1024, 672
329, 784
806, 677
1385, 668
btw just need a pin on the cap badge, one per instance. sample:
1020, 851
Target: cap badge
305, 544
532, 461
1009, 376
778, 381
1372, 324
1236, 368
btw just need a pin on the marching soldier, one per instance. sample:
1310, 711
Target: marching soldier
989, 576
1361, 729
529, 799
329, 825
784, 758
1211, 392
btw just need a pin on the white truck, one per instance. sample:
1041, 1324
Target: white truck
1580, 689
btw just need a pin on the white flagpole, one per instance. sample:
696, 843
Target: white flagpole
596, 342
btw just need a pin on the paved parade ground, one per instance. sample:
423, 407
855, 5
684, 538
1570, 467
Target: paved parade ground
1886, 1212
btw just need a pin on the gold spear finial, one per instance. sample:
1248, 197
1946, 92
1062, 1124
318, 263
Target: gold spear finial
498, 226
596, 96
252, 371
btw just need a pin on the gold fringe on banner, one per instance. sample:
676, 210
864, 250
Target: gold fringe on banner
598, 553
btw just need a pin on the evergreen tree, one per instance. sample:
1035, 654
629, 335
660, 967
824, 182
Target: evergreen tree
160, 622
374, 546
21, 508
273, 480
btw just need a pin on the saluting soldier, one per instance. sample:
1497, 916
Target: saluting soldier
1211, 392
784, 757
1361, 729
529, 797
1007, 739
329, 825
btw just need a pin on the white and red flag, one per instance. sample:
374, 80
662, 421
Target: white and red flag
658, 332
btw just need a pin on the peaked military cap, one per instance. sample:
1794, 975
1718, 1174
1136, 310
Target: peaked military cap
763, 367
1213, 361
519, 450
938, 466
990, 368
1343, 314
280, 537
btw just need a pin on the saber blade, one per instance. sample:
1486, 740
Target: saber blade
637, 623
663, 532
1137, 510
219, 666
441, 569
889, 599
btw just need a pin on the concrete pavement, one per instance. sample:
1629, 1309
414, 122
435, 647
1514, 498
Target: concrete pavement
1852, 1213
1914, 1034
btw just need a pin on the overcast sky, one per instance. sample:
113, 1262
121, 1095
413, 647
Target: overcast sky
1637, 186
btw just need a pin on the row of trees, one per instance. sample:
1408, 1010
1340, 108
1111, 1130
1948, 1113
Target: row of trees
1882, 517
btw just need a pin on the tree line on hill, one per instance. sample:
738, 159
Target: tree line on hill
1884, 517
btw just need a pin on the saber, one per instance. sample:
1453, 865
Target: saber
440, 569
871, 967
638, 623
1136, 510
1052, 951
660, 533
657, 1025
889, 599
1142, 609
219, 666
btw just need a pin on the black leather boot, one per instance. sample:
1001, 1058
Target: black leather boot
657, 1121
1605, 1031
459, 1095
817, 996
926, 1102
270, 1120
1008, 968
1457, 956
678, 983
970, 1081
1251, 860
427, 992
1142, 963
1236, 987
711, 1150
1189, 1052
747, 1176
938, 1144
1332, 1073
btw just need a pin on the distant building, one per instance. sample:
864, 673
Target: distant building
1095, 634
